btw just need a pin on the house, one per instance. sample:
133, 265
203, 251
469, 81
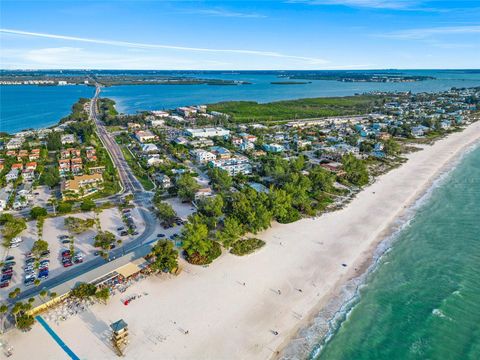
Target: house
81, 186
11, 153
12, 175
64, 166
28, 174
301, 144
273, 148
31, 166
221, 152
237, 141
159, 113
76, 165
202, 193
445, 124
248, 137
149, 148
187, 111
34, 155
18, 166
91, 153
96, 169
201, 142
202, 156
207, 132
133, 126
163, 181
419, 130
15, 143
67, 139
157, 122
233, 166
180, 141
22, 154
64, 154
154, 160
144, 136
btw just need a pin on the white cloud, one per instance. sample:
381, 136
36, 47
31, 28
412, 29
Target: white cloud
377, 4
126, 44
424, 33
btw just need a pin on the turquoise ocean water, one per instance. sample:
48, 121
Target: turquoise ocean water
423, 299
23, 107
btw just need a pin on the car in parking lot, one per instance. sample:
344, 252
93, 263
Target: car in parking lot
121, 228
7, 271
66, 241
4, 284
29, 282
45, 253
62, 237
6, 277
8, 258
124, 233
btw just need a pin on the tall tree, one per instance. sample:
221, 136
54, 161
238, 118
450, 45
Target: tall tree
187, 186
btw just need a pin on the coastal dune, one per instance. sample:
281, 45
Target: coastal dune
252, 307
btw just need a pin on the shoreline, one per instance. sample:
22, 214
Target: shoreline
313, 334
226, 319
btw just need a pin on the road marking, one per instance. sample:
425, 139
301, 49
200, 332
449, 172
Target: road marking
55, 337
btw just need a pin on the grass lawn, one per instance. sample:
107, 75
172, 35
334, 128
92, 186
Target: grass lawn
139, 172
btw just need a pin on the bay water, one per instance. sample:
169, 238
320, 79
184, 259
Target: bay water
23, 107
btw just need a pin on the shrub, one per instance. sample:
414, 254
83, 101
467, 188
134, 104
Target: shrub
214, 252
245, 247
37, 212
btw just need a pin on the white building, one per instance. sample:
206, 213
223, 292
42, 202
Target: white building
12, 175
15, 143
158, 122
202, 156
207, 132
149, 148
144, 136
68, 139
234, 166
160, 113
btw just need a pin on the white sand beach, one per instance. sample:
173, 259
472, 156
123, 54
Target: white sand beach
226, 319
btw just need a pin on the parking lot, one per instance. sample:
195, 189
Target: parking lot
24, 271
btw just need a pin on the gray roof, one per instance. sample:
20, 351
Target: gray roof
118, 325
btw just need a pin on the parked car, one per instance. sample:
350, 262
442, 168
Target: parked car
121, 228
123, 233
29, 282
8, 258
45, 253
62, 237
67, 263
4, 284
66, 241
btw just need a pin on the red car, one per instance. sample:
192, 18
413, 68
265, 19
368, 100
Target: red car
4, 284
67, 264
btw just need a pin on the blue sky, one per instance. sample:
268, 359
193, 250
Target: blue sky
290, 34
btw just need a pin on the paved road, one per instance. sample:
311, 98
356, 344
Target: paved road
128, 179
142, 200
